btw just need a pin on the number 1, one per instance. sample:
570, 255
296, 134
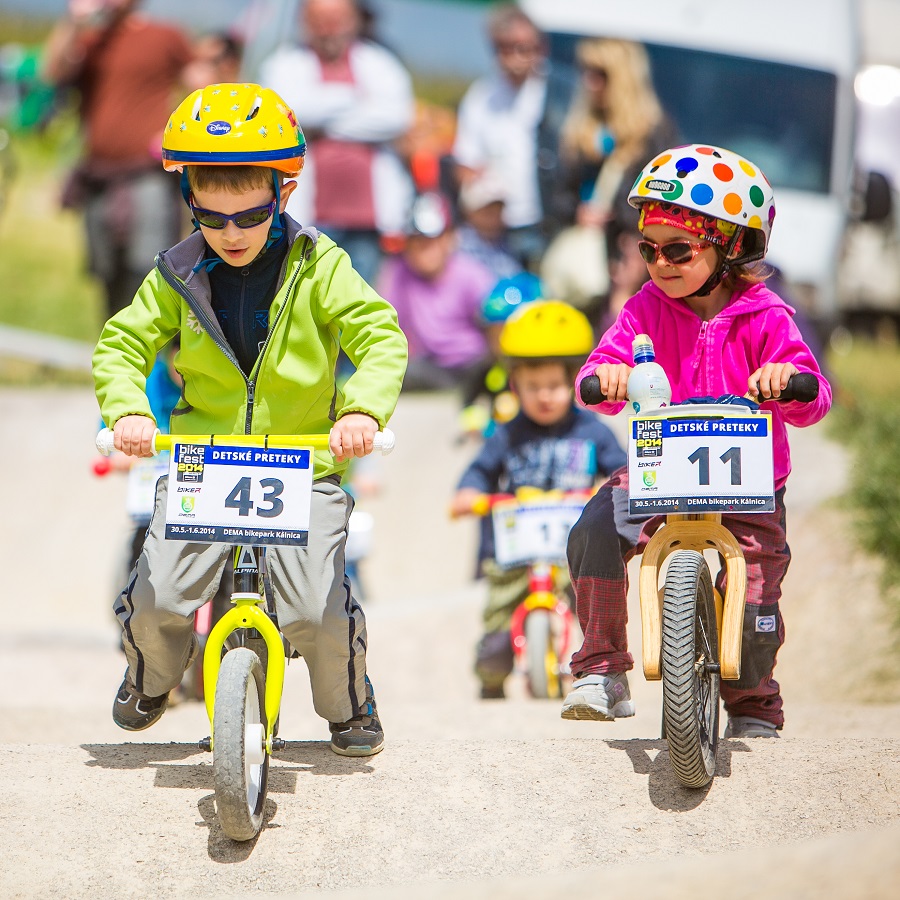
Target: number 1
734, 457
701, 456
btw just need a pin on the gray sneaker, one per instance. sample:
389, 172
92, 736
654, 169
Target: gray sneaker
600, 698
749, 727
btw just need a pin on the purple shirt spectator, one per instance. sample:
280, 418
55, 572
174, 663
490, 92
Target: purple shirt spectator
440, 316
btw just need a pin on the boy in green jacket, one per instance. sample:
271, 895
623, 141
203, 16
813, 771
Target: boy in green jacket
262, 308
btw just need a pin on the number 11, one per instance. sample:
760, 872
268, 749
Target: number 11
732, 455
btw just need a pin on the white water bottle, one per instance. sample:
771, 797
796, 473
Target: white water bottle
648, 385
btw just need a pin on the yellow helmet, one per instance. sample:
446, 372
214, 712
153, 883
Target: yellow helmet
547, 329
234, 125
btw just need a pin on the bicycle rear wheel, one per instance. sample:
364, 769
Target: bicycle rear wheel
240, 760
690, 669
541, 657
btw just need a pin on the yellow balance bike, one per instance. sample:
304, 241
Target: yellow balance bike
250, 491
692, 462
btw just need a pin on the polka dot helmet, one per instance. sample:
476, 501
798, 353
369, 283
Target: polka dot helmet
716, 183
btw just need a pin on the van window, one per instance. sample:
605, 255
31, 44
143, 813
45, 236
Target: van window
779, 116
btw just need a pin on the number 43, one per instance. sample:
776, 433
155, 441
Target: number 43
239, 498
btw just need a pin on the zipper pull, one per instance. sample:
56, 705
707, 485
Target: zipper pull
248, 419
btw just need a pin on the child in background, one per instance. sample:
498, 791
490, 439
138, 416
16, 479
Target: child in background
549, 445
437, 292
262, 307
706, 215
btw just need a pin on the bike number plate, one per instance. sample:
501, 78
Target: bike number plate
700, 464
533, 533
140, 494
239, 495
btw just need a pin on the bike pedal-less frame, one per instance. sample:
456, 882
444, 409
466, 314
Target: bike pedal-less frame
244, 657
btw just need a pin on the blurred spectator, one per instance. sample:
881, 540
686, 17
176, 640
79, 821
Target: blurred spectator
483, 234
497, 127
126, 69
217, 60
437, 292
614, 122
352, 98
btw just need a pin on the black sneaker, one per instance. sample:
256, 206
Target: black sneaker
362, 735
135, 711
492, 692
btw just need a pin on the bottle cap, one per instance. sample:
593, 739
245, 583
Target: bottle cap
642, 349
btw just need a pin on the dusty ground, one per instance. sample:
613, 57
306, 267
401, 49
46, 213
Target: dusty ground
470, 799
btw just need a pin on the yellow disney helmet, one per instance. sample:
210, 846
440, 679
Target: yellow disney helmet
234, 125
547, 329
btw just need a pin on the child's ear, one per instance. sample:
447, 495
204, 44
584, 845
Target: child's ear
286, 190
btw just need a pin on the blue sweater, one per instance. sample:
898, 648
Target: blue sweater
569, 455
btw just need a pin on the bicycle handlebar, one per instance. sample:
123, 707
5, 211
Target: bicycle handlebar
484, 503
803, 387
383, 443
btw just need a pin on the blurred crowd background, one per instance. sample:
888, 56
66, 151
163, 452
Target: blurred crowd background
459, 150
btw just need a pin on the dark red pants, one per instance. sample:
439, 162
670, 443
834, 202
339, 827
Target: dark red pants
606, 537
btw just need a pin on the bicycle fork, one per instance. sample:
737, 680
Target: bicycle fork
247, 613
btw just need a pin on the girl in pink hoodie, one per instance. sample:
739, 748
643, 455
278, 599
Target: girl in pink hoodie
706, 217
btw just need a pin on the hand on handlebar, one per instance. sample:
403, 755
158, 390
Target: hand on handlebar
768, 381
464, 502
353, 435
614, 381
134, 435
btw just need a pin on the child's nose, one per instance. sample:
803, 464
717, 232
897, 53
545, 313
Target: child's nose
231, 232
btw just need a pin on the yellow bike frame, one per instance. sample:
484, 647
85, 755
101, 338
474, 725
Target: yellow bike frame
246, 612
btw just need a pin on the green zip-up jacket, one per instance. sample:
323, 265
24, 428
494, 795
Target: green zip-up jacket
321, 306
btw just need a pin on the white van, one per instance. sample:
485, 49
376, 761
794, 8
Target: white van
771, 80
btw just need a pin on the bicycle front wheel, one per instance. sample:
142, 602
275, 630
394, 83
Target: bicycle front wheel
540, 655
240, 760
690, 669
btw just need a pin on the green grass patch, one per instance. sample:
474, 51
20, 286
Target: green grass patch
866, 417
44, 283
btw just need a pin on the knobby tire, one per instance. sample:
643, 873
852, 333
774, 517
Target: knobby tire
690, 690
240, 789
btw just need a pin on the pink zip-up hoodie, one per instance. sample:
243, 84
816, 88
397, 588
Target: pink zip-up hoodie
717, 356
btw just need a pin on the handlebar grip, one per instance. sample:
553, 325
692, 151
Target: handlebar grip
590, 391
105, 442
384, 441
804, 387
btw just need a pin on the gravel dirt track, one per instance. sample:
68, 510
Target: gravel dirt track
470, 799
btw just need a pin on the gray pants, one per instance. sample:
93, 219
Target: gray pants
316, 611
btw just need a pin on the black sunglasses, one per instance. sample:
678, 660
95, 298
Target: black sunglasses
675, 252
248, 218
